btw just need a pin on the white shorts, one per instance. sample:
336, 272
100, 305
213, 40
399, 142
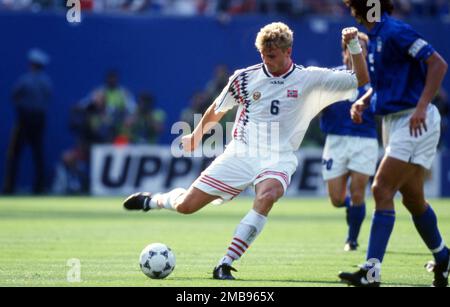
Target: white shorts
401, 145
343, 154
231, 173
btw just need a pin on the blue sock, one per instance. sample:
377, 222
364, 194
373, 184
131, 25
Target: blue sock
380, 232
426, 225
355, 218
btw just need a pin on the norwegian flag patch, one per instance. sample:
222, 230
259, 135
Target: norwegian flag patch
292, 93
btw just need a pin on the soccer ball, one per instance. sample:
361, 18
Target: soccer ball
157, 261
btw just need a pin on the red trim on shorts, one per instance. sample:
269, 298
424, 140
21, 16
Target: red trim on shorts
224, 188
217, 187
222, 184
280, 174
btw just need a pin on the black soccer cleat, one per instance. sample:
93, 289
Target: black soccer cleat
138, 201
358, 279
351, 246
223, 272
440, 271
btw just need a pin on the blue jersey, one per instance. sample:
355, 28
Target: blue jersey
396, 65
336, 119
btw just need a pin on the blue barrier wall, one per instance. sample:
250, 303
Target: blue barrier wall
170, 57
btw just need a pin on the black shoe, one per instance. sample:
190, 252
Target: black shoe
138, 201
223, 272
440, 271
350, 246
358, 279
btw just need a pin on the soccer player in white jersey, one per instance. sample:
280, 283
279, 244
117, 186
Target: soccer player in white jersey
276, 94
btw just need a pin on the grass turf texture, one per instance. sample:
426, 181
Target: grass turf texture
301, 245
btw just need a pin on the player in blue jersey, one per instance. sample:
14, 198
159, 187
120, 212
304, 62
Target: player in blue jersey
350, 154
406, 72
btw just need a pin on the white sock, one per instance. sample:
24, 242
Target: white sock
246, 232
166, 200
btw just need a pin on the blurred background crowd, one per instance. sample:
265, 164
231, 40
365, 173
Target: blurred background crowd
405, 8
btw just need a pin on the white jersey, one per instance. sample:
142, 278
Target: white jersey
274, 112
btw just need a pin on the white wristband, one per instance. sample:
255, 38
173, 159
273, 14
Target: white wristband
354, 46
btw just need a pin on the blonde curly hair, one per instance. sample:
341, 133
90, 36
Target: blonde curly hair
274, 35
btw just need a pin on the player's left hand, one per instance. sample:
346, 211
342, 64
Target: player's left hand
417, 122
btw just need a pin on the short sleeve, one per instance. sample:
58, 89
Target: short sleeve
226, 100
407, 41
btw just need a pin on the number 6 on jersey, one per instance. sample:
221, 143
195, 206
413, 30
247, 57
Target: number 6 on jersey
274, 109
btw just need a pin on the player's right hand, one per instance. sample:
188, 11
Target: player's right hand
348, 34
188, 143
417, 122
357, 111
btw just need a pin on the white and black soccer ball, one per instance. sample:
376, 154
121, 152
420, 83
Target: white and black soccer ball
157, 261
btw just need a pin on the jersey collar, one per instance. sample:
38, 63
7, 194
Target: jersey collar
284, 76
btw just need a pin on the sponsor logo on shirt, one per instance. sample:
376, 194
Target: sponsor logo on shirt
277, 82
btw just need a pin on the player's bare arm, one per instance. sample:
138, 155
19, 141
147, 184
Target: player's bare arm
360, 105
437, 68
191, 141
350, 38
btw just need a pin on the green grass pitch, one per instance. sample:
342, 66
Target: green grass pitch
301, 245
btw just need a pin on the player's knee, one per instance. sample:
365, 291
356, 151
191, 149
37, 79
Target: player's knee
337, 201
381, 192
186, 207
377, 191
269, 196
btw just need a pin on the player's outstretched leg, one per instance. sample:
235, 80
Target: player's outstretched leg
267, 193
179, 200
